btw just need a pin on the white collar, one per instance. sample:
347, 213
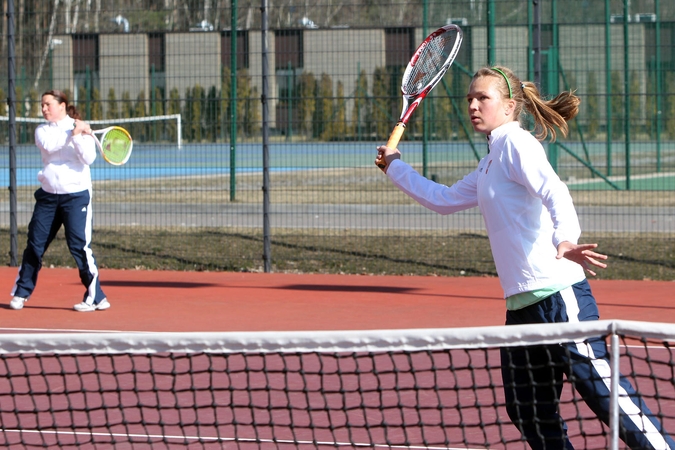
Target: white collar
503, 130
66, 123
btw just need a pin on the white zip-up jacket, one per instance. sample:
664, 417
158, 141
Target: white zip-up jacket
65, 158
527, 209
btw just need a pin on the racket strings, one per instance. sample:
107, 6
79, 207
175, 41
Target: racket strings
116, 145
430, 62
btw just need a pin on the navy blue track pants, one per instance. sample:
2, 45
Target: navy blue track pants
51, 211
533, 378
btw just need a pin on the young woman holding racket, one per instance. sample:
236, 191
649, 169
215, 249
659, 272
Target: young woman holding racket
533, 230
64, 198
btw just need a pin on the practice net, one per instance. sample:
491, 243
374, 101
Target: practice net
163, 128
398, 389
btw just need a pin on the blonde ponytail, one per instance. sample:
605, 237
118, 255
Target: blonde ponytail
547, 114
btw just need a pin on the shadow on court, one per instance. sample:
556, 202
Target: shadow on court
228, 301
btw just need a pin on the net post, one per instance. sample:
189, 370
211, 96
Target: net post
614, 391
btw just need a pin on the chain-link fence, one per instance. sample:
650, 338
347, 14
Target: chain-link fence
193, 195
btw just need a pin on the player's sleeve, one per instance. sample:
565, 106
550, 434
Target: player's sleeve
50, 138
531, 168
85, 147
434, 196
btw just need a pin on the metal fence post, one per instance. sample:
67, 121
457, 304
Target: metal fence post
626, 89
233, 102
608, 87
267, 245
11, 101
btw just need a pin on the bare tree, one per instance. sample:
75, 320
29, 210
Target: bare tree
48, 45
96, 15
207, 9
249, 17
331, 11
75, 15
3, 47
66, 13
18, 29
87, 9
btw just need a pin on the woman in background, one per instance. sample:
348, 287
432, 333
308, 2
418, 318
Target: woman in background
64, 198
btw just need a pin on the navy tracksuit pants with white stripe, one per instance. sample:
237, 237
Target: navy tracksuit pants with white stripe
73, 211
533, 378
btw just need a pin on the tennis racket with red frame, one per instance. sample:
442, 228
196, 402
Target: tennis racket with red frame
426, 68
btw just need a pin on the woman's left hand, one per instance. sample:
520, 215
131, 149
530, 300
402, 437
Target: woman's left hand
581, 254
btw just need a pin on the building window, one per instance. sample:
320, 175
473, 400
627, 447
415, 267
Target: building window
157, 62
666, 52
242, 49
156, 52
85, 68
85, 52
288, 49
400, 46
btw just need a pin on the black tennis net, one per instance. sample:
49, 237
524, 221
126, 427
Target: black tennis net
398, 389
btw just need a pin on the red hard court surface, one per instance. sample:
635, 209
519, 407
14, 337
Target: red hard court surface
221, 301
228, 301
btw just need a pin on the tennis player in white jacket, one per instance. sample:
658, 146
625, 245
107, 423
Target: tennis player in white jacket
533, 230
64, 198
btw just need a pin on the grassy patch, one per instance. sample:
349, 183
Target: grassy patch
342, 252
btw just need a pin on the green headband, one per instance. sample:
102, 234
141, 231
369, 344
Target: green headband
498, 70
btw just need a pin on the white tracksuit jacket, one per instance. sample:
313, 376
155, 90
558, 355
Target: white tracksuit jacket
527, 209
65, 158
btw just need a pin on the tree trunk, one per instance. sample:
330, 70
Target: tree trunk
48, 45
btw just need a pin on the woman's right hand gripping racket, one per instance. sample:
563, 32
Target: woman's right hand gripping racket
425, 70
115, 144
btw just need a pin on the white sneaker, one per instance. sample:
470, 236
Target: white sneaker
103, 304
17, 302
86, 307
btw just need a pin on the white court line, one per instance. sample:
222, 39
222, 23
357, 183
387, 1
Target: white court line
645, 176
650, 347
220, 439
66, 330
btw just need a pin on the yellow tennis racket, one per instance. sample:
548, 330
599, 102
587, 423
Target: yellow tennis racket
115, 144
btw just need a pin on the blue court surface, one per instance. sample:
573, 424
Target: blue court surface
167, 160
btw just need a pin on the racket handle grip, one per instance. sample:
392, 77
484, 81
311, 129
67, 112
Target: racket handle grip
395, 136
394, 139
